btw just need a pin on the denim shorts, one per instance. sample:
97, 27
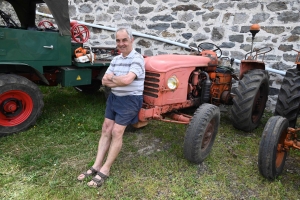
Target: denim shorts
123, 110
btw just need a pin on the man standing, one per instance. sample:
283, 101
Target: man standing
125, 76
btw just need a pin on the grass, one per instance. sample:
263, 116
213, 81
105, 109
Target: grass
44, 161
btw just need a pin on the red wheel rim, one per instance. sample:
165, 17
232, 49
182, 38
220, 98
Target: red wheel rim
45, 24
279, 156
80, 33
281, 151
208, 135
15, 107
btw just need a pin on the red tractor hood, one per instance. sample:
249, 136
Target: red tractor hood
164, 63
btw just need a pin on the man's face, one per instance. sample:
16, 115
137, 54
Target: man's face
124, 43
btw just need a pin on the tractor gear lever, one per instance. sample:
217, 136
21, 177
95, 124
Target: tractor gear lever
255, 28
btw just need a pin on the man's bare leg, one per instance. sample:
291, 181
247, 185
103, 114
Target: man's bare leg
104, 143
113, 151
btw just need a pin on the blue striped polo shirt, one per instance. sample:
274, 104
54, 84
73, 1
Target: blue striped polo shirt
120, 65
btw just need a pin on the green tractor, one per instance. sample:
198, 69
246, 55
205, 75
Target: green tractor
33, 54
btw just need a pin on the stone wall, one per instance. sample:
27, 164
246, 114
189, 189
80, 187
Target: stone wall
222, 22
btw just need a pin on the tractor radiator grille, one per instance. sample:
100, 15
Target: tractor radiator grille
151, 84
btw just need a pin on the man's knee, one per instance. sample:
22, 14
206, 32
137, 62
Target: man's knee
118, 131
107, 126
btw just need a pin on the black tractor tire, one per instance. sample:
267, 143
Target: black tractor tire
91, 88
288, 102
107, 91
21, 103
130, 128
201, 133
250, 100
272, 156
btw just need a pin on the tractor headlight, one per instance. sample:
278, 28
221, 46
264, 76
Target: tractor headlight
173, 83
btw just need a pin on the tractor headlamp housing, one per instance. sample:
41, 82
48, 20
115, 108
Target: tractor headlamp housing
173, 83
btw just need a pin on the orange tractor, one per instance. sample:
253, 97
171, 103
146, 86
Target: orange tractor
204, 80
280, 133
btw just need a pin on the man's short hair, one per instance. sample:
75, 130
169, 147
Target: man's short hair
127, 29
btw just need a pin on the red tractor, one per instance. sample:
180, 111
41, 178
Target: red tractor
280, 133
204, 80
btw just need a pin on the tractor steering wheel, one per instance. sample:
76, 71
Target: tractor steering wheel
210, 46
8, 20
194, 48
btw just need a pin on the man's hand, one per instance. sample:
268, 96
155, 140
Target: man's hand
107, 80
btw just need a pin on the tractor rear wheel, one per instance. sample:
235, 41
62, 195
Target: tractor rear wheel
272, 155
250, 100
201, 133
21, 103
288, 102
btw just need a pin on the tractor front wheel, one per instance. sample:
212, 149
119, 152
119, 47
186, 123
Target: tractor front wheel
272, 154
201, 133
250, 100
21, 103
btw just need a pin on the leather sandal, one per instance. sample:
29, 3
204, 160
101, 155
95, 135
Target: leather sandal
98, 182
93, 173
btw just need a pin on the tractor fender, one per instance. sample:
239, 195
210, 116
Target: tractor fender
247, 65
41, 76
13, 68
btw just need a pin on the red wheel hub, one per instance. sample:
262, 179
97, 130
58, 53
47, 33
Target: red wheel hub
10, 106
15, 107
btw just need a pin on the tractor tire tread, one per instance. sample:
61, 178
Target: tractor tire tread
268, 148
288, 101
196, 130
13, 81
241, 111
